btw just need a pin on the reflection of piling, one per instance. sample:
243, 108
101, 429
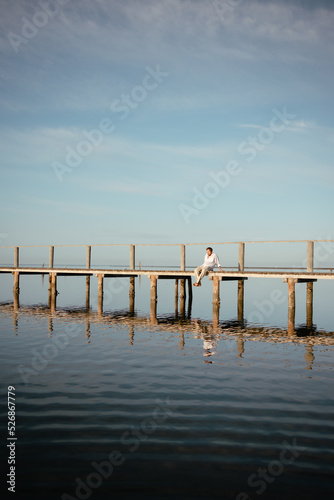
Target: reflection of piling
50, 323
240, 346
15, 320
154, 299
132, 296
241, 294
309, 357
309, 304
291, 305
87, 327
16, 290
131, 334
100, 294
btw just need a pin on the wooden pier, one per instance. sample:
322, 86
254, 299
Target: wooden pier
182, 278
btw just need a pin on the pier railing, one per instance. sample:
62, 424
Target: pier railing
240, 265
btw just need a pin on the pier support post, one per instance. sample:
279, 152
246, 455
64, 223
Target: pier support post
182, 296
16, 257
190, 295
310, 256
88, 264
132, 296
53, 292
241, 295
51, 257
87, 292
16, 290
291, 305
154, 299
216, 297
100, 294
132, 258
183, 257
176, 297
216, 301
309, 304
241, 263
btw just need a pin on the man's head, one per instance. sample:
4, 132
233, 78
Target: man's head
209, 251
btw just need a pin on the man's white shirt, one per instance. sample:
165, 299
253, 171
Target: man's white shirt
211, 261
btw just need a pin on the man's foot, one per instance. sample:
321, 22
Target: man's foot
196, 284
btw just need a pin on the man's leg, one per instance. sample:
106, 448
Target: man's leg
200, 272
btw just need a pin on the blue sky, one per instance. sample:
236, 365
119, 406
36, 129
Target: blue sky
184, 87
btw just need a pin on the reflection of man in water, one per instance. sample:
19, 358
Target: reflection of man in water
210, 347
211, 260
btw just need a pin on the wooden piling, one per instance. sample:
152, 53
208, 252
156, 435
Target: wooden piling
310, 256
241, 262
182, 296
100, 294
190, 290
190, 296
215, 315
183, 257
291, 305
132, 296
88, 256
216, 301
16, 290
87, 293
51, 257
50, 290
53, 301
154, 299
176, 297
309, 304
241, 294
16, 257
216, 297
132, 258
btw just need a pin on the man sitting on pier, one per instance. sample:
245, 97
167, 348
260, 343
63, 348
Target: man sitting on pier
211, 260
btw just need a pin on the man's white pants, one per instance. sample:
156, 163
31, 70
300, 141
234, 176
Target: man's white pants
200, 272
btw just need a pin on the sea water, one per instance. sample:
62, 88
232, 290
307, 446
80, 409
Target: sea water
123, 406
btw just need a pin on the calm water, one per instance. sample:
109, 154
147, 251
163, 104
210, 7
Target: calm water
181, 408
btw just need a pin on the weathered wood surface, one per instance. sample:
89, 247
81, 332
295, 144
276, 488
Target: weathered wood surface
161, 274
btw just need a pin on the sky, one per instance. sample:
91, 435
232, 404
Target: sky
171, 121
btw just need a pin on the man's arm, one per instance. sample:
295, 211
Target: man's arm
218, 263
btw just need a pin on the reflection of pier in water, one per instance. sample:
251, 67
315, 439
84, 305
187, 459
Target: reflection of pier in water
182, 329
182, 279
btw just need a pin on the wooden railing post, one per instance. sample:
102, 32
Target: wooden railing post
16, 257
183, 257
88, 256
241, 264
51, 257
310, 256
132, 258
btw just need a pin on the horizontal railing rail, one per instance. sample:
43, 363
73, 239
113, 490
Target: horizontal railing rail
309, 257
